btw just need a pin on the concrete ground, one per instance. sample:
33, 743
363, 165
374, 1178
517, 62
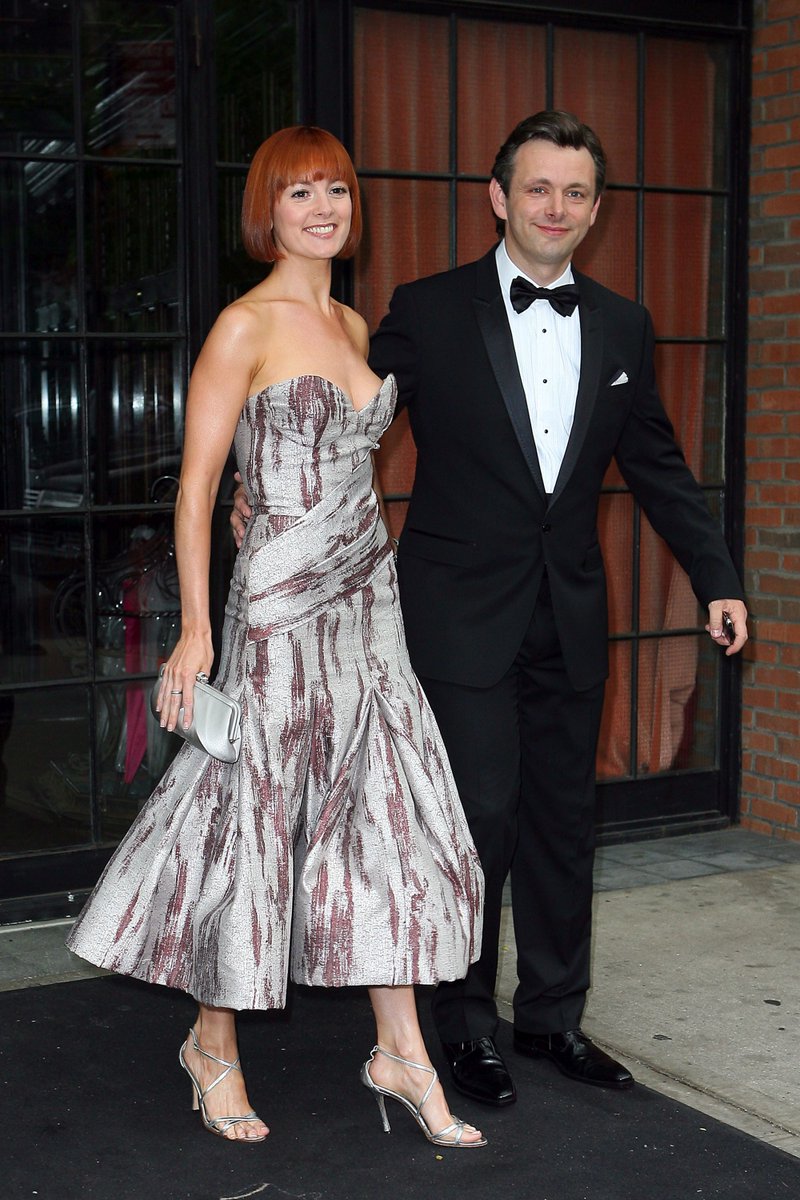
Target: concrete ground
695, 973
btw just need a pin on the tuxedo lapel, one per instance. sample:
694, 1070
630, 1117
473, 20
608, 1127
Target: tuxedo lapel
492, 320
591, 357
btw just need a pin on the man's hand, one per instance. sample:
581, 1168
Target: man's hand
242, 512
737, 613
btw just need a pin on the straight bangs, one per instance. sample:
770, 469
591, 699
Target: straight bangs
301, 153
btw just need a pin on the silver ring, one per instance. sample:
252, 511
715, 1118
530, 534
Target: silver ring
178, 693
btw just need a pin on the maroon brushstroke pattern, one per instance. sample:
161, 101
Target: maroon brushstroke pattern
335, 851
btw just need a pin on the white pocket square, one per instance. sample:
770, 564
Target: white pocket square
621, 378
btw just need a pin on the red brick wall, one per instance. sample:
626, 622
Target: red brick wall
770, 797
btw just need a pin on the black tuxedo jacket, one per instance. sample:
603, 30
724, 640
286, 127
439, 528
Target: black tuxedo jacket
480, 528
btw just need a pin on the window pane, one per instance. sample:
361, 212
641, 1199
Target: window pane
608, 252
41, 452
37, 202
133, 751
690, 379
132, 248
44, 737
614, 744
407, 235
501, 79
615, 524
36, 79
595, 77
136, 404
42, 624
255, 58
686, 117
677, 704
699, 747
137, 600
475, 221
237, 271
666, 599
129, 78
684, 276
401, 90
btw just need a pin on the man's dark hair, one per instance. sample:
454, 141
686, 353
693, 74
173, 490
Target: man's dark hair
552, 125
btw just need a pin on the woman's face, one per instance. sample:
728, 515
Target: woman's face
311, 218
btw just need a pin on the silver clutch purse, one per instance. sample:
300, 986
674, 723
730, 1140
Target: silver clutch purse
216, 723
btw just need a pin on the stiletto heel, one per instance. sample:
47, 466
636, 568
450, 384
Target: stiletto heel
450, 1136
217, 1125
381, 1106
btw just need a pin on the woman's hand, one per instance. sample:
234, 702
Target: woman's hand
193, 654
242, 512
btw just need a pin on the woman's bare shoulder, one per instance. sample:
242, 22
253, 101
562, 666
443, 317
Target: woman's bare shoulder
355, 325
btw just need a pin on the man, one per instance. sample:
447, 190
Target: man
517, 407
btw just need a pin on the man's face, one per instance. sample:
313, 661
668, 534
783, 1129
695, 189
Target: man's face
549, 209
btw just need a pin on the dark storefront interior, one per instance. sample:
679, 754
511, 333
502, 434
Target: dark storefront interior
125, 134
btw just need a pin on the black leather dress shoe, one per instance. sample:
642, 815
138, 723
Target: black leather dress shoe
575, 1055
479, 1072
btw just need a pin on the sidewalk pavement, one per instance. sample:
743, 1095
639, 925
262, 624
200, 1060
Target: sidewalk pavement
696, 973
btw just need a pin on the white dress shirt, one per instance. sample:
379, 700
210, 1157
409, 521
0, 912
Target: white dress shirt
548, 350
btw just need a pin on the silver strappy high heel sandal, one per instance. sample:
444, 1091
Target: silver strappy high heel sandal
217, 1125
450, 1136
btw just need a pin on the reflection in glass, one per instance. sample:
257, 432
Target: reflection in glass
137, 601
133, 751
132, 244
255, 58
37, 201
136, 405
138, 623
36, 74
128, 53
36, 555
40, 408
44, 769
237, 271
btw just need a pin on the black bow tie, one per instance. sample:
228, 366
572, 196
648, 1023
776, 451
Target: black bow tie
563, 299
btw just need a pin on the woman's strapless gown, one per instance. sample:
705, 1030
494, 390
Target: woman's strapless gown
335, 851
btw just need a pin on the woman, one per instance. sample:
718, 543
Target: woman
335, 849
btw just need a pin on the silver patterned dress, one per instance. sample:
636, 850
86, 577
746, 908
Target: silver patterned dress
335, 850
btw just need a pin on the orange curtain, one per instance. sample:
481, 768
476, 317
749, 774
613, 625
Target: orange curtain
405, 100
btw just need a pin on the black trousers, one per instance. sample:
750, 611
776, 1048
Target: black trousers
523, 755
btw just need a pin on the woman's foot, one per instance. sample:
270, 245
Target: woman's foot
219, 1088
407, 1080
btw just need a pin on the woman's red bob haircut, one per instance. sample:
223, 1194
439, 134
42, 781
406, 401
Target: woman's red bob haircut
288, 156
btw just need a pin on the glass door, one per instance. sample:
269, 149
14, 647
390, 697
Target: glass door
434, 96
125, 131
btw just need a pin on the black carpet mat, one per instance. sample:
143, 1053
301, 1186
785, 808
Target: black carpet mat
96, 1106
